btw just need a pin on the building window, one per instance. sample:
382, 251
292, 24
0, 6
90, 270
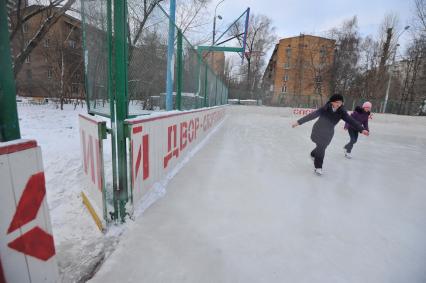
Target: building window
288, 52
77, 77
71, 27
284, 89
74, 88
46, 42
323, 54
286, 78
25, 27
71, 43
49, 73
28, 59
287, 65
29, 75
271, 88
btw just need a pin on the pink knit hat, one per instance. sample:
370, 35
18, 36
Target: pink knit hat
367, 104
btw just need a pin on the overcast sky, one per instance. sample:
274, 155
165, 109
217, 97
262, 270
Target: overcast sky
292, 17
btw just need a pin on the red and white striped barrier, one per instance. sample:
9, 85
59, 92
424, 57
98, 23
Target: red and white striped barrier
92, 132
158, 143
27, 251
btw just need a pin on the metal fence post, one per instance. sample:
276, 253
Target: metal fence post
120, 31
170, 49
205, 86
111, 96
9, 123
179, 71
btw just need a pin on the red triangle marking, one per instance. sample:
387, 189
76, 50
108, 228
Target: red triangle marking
30, 202
36, 243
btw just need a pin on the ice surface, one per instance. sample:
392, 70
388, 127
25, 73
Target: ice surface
248, 208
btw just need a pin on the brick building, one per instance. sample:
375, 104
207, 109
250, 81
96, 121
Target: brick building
300, 70
55, 67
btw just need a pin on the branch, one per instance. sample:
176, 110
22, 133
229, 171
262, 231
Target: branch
20, 21
39, 35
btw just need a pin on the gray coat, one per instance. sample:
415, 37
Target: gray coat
323, 129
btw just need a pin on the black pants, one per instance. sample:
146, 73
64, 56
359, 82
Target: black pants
318, 153
354, 137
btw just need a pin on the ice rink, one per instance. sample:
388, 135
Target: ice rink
248, 208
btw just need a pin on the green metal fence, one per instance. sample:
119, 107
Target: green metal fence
96, 19
415, 107
126, 69
195, 83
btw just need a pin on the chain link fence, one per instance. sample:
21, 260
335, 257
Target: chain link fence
416, 107
195, 83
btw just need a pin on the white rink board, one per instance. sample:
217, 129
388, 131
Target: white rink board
27, 251
158, 143
92, 161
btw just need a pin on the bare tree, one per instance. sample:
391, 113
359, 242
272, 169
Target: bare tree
64, 69
346, 55
192, 16
21, 15
260, 37
414, 83
368, 65
138, 16
419, 22
319, 66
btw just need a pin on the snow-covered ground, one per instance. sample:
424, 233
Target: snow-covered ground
248, 208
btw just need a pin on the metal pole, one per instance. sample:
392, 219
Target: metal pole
179, 72
214, 27
86, 57
214, 22
393, 63
199, 61
215, 96
9, 123
389, 81
112, 110
120, 31
388, 86
170, 49
205, 86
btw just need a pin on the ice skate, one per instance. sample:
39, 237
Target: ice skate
318, 171
348, 155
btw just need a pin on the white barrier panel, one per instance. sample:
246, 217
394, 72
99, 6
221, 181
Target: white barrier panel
92, 132
27, 251
158, 143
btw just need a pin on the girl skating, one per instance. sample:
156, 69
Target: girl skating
361, 114
323, 129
